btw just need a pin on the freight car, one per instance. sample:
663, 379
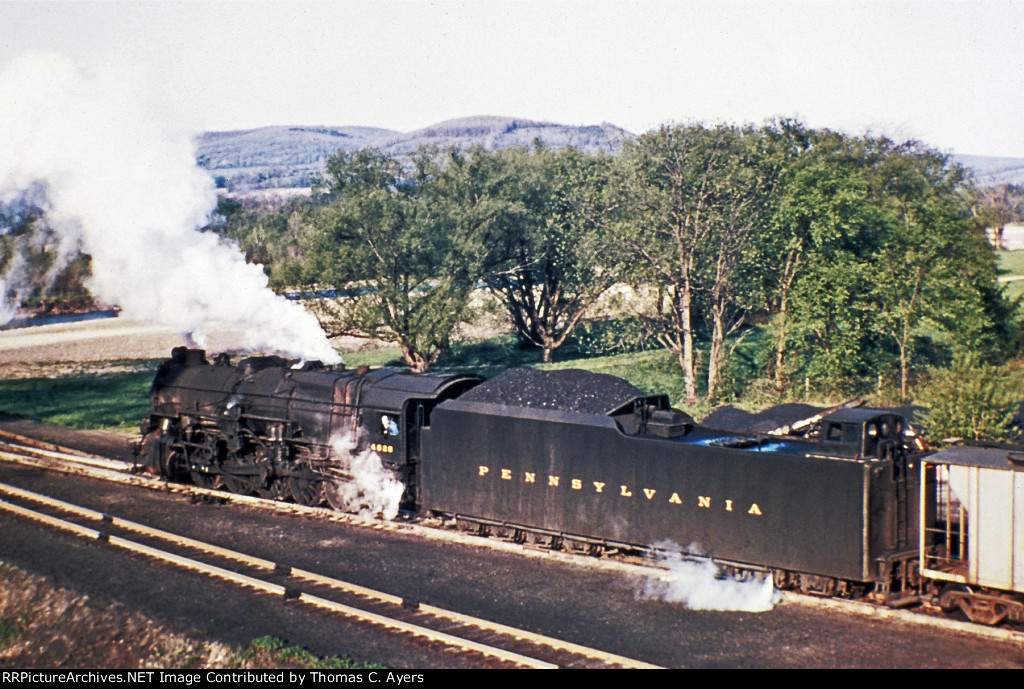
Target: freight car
574, 459
972, 550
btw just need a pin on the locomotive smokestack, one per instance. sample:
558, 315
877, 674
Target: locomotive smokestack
116, 180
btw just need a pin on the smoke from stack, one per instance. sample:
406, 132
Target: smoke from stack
117, 181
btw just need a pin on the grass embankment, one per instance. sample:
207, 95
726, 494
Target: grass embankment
91, 398
43, 625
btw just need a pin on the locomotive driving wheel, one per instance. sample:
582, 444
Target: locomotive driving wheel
341, 495
277, 489
272, 485
205, 455
175, 467
208, 481
244, 475
240, 485
305, 486
309, 492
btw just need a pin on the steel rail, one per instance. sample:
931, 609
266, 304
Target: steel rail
330, 582
277, 589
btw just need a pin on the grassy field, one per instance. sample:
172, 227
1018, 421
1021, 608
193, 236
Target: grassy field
1011, 264
84, 400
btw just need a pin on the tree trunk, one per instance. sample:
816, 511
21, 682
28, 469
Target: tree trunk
689, 375
716, 355
416, 362
904, 372
780, 347
793, 264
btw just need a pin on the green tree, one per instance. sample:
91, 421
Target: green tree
817, 209
831, 334
873, 260
928, 252
393, 267
37, 263
693, 197
548, 260
998, 205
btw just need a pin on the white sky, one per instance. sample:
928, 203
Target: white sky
948, 73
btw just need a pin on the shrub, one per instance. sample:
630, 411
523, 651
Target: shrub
971, 400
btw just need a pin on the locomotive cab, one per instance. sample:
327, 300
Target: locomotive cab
861, 433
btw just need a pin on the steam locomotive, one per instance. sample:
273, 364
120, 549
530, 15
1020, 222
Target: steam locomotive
846, 503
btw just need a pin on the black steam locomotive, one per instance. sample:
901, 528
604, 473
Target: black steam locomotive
574, 459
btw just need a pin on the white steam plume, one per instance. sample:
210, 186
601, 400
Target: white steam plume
696, 583
123, 184
369, 489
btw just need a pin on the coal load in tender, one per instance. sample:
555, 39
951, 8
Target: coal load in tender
566, 390
730, 418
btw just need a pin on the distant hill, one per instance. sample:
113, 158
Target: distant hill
272, 157
505, 132
992, 170
289, 156
278, 156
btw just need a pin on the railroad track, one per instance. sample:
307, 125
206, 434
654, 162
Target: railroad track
32, 452
506, 645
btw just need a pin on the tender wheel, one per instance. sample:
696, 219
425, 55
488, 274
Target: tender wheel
780, 579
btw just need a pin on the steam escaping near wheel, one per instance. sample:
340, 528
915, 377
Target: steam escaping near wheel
364, 485
92, 168
697, 583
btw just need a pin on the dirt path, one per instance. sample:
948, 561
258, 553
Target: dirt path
54, 350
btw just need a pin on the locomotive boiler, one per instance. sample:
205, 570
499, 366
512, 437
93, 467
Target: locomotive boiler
265, 426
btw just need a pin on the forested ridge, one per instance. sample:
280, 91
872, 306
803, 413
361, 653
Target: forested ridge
273, 157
